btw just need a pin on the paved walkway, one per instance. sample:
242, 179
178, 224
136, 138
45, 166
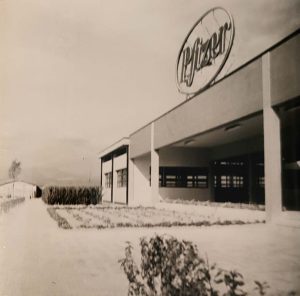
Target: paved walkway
38, 258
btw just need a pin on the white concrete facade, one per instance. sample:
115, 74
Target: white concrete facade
236, 117
112, 164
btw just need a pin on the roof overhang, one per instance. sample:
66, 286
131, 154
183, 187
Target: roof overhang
121, 143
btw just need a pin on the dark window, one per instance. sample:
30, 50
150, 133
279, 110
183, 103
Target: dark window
190, 177
122, 178
261, 181
229, 181
108, 180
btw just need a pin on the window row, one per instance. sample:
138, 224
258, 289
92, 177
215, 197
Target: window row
228, 181
121, 178
187, 177
234, 181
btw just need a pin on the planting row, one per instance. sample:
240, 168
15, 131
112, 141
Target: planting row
72, 195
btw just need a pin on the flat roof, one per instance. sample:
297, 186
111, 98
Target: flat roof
114, 146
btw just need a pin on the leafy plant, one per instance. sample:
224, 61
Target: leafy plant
170, 267
261, 287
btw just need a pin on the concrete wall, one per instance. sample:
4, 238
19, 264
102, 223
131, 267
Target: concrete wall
141, 185
285, 71
106, 168
237, 96
184, 157
199, 194
140, 142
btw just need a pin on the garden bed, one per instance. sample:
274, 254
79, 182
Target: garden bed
102, 216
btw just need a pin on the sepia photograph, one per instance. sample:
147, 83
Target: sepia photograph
149, 148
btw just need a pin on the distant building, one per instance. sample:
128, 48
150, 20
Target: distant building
236, 141
19, 189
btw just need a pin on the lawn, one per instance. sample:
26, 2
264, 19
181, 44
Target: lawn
107, 216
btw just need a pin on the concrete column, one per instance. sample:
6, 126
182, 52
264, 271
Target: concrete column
211, 181
251, 180
154, 170
272, 148
112, 178
130, 180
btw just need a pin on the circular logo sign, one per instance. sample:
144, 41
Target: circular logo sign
204, 51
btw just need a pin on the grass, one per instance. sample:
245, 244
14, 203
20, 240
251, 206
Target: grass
100, 217
255, 207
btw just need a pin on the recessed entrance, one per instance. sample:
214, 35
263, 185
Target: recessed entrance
239, 179
290, 146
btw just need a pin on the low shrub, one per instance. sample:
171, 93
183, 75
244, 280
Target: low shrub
175, 268
6, 205
72, 195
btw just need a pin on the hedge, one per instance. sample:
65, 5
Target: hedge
71, 195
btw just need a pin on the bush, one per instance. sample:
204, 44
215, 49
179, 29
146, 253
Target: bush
175, 268
71, 195
6, 205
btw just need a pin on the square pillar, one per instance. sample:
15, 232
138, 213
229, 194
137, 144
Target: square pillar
251, 180
272, 148
211, 181
154, 170
130, 179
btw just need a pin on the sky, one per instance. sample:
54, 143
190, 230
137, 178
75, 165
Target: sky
76, 76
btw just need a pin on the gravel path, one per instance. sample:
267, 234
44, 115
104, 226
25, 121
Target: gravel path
38, 258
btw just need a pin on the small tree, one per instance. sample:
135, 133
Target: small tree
14, 171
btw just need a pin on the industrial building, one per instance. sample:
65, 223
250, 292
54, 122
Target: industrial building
237, 140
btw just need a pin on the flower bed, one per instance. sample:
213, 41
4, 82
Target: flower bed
110, 217
6, 205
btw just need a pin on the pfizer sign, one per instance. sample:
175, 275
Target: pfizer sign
204, 51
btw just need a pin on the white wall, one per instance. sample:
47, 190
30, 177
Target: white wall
199, 194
